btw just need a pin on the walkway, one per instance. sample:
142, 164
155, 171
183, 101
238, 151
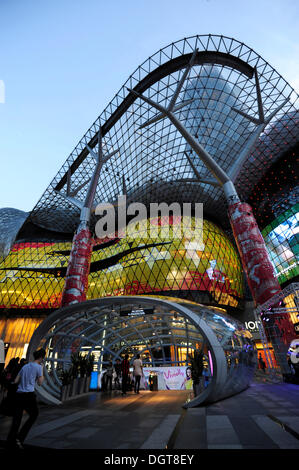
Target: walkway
265, 416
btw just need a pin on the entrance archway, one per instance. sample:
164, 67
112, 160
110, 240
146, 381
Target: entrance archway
165, 331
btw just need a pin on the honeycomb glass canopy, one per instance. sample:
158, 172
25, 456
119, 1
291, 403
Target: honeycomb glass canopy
226, 94
228, 91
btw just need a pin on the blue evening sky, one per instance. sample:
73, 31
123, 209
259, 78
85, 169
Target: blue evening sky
62, 61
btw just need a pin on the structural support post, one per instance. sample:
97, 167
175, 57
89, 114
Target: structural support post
76, 281
254, 256
259, 270
252, 249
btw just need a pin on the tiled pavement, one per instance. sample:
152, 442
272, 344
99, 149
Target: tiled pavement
265, 416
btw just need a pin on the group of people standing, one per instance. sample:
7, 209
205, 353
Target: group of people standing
122, 371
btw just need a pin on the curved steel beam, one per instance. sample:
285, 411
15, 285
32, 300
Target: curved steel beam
173, 65
222, 384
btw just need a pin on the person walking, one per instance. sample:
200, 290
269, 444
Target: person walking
117, 368
29, 375
137, 372
206, 376
109, 375
262, 363
125, 368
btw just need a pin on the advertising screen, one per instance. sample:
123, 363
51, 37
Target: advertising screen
282, 241
169, 378
173, 378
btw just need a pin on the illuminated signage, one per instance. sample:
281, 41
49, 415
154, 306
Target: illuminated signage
252, 325
282, 241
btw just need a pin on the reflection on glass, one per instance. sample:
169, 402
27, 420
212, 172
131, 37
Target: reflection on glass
282, 241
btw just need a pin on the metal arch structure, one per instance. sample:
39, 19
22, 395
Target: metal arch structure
158, 154
229, 93
252, 121
118, 325
228, 99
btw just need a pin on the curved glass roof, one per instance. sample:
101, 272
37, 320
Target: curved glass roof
227, 90
164, 331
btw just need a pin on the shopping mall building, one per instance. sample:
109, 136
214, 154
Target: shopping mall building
199, 100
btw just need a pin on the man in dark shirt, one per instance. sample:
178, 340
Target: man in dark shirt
125, 368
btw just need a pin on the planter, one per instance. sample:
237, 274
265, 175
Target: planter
65, 391
81, 385
74, 388
87, 384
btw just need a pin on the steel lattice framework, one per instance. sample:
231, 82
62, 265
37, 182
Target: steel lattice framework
33, 274
111, 327
232, 102
225, 117
230, 94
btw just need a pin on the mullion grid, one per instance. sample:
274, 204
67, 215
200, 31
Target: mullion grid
164, 87
144, 330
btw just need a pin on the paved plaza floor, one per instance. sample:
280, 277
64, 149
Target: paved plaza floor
265, 416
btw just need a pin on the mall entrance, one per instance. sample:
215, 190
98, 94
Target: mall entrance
164, 331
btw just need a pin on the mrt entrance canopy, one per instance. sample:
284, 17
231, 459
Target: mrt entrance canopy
164, 331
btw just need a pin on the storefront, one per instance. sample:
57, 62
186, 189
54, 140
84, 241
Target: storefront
253, 327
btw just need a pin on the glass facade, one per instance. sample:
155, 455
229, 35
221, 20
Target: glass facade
282, 241
32, 275
151, 160
220, 105
275, 204
213, 119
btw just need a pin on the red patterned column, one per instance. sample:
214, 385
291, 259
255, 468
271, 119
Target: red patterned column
76, 281
260, 276
254, 255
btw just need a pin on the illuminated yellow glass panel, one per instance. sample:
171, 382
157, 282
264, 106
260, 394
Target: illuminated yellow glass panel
32, 275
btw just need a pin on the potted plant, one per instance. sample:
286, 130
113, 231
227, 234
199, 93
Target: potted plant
65, 378
83, 373
74, 371
196, 370
89, 369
